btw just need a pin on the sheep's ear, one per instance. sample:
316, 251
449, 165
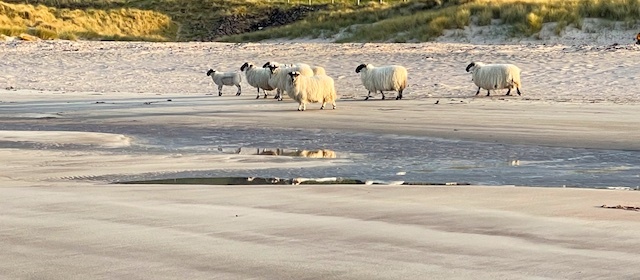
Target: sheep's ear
211, 71
359, 68
470, 65
245, 65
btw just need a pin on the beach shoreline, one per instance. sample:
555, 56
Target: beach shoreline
59, 222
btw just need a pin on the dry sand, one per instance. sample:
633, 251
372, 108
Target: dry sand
55, 225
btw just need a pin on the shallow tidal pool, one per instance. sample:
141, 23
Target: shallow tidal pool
375, 159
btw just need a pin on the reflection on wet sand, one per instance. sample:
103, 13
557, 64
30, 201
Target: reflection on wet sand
322, 153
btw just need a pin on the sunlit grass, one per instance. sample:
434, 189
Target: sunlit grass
53, 23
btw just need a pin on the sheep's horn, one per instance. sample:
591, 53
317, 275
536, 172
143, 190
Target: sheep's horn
209, 72
266, 64
245, 65
360, 67
470, 65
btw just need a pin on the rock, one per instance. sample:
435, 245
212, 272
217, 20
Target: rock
238, 24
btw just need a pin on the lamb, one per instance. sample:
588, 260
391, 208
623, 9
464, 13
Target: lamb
279, 77
257, 77
304, 89
226, 79
495, 76
374, 79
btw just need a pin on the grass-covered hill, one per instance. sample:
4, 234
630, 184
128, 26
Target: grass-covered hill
255, 20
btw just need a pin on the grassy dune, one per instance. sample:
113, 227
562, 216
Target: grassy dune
390, 21
416, 21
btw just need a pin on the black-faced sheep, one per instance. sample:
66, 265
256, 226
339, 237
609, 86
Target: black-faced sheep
495, 76
389, 78
312, 89
279, 78
257, 77
226, 79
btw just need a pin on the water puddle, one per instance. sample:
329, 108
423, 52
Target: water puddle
366, 157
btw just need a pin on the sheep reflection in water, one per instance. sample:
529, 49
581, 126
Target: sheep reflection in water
322, 153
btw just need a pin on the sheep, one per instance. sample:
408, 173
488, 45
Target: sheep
257, 77
495, 76
226, 79
304, 89
279, 77
374, 79
273, 63
318, 70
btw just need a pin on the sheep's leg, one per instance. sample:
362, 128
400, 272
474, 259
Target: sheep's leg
488, 92
399, 95
265, 93
278, 94
518, 90
382, 95
478, 92
220, 90
302, 106
333, 103
239, 90
281, 95
258, 94
323, 103
508, 92
368, 95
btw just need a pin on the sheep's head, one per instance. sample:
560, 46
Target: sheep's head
294, 75
273, 68
471, 67
210, 72
245, 66
360, 67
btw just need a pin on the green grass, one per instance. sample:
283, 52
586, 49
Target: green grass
372, 21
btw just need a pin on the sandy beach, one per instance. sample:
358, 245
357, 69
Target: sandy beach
68, 111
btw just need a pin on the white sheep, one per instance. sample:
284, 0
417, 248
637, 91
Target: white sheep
495, 76
279, 77
257, 77
314, 89
374, 79
226, 79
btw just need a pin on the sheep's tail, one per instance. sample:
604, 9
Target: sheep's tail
403, 85
516, 83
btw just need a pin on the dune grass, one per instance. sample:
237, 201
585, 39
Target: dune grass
372, 21
405, 22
